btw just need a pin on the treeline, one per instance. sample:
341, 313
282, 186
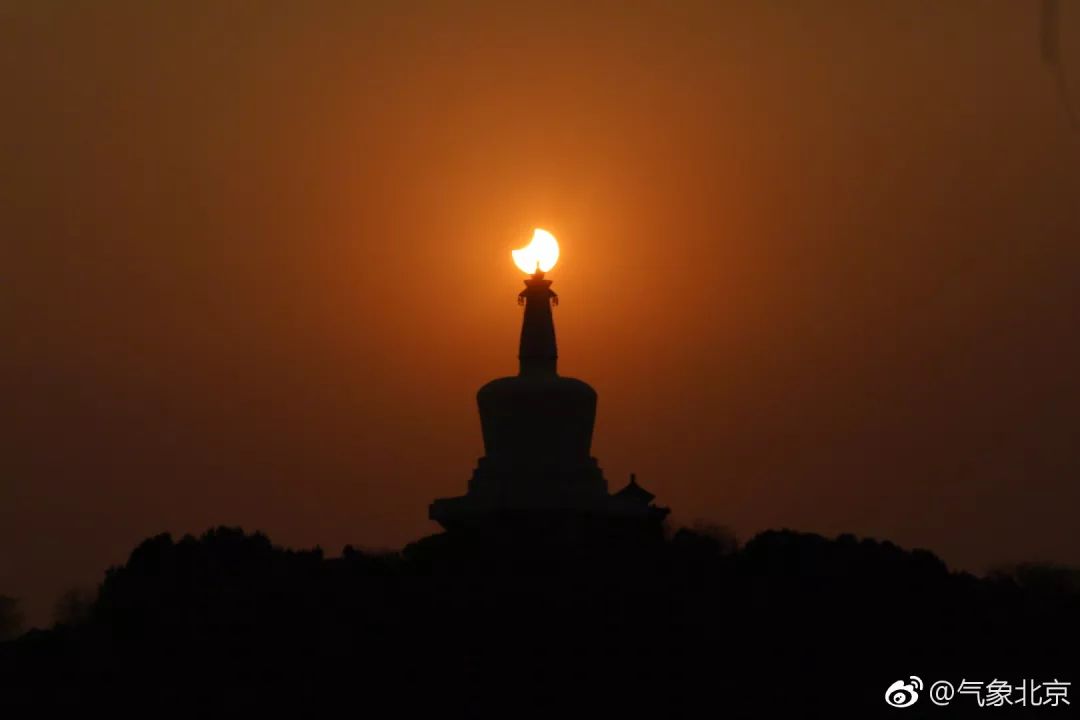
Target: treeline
501, 624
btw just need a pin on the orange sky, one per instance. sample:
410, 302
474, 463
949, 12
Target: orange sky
819, 261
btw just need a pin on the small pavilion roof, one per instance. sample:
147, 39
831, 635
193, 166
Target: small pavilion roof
635, 492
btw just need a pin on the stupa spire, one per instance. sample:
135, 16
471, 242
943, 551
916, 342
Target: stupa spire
537, 351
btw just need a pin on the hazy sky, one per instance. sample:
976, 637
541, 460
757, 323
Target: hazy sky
821, 261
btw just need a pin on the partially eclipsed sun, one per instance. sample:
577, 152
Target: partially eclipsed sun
542, 252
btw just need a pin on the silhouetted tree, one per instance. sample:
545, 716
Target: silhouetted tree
11, 617
722, 535
74, 606
1047, 578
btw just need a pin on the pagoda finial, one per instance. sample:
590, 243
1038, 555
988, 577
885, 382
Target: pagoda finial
537, 353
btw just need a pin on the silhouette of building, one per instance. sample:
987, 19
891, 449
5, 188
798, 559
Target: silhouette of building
538, 428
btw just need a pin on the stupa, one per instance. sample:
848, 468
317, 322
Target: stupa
538, 428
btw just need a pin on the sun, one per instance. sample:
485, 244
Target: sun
541, 253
